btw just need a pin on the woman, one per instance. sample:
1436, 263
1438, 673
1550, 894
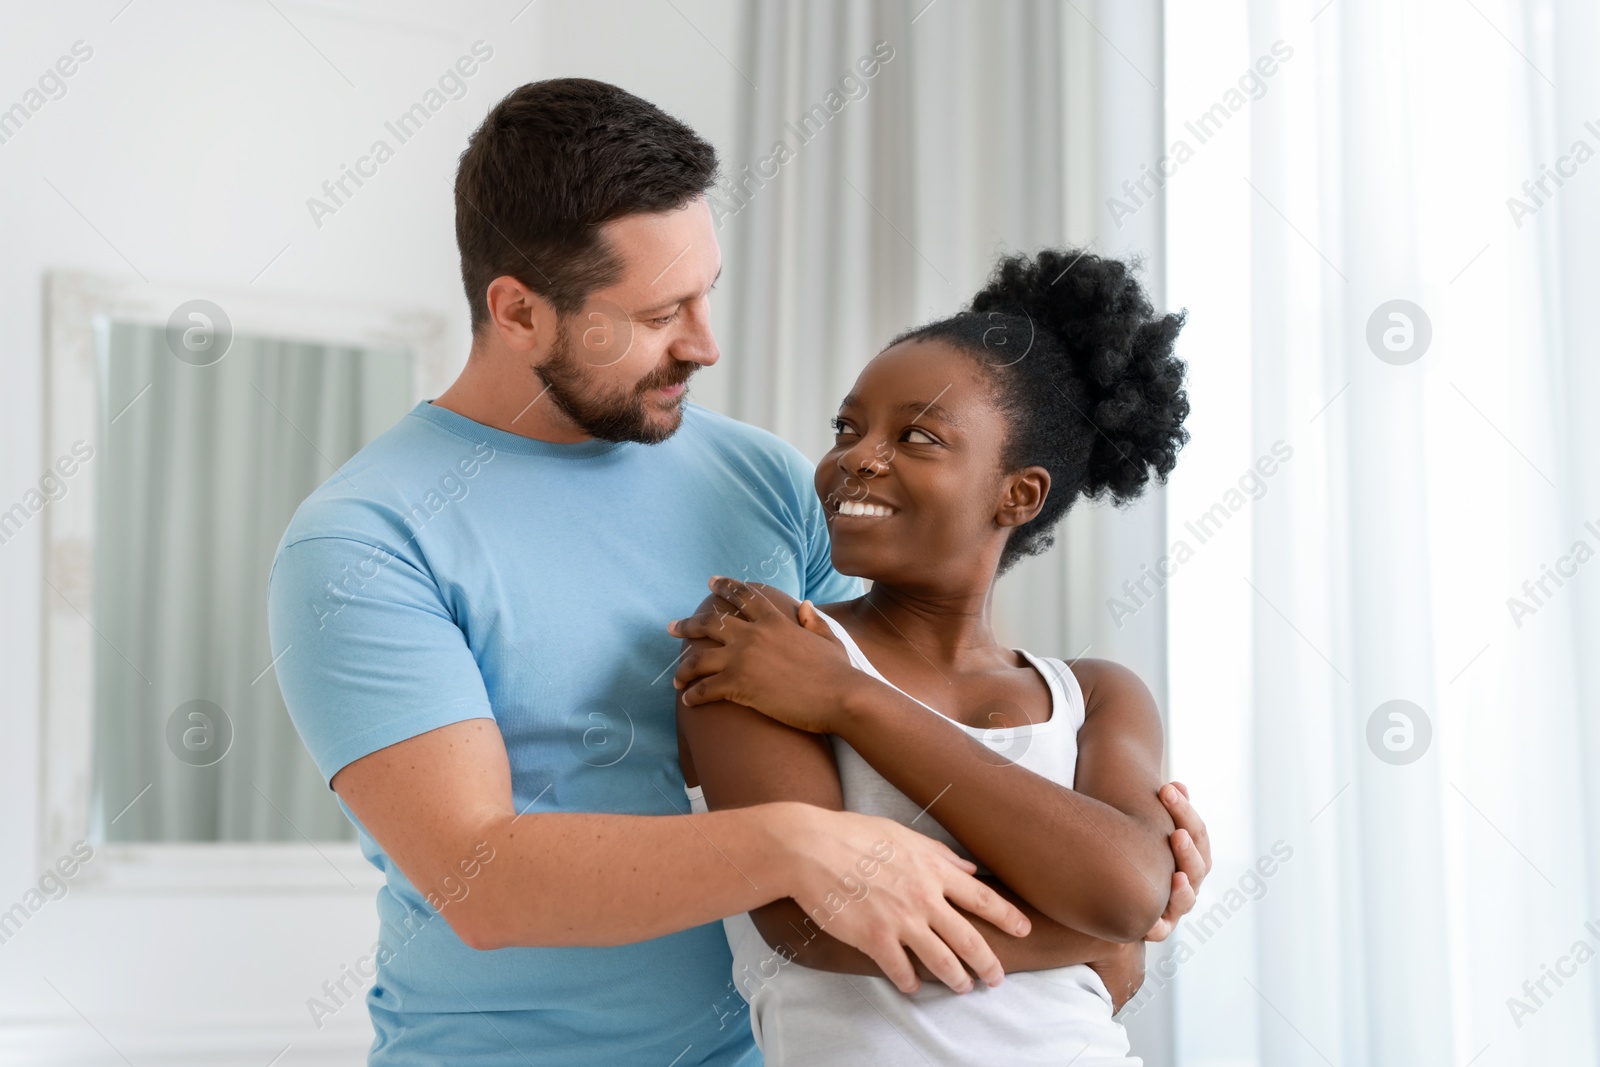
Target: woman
960, 447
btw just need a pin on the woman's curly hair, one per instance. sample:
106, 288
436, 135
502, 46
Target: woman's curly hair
1086, 377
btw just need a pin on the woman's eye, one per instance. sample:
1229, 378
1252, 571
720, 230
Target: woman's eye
841, 427
918, 437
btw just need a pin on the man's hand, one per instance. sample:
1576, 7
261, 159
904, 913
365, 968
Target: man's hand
883, 889
1191, 847
785, 664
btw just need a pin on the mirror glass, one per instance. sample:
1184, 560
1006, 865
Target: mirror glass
207, 445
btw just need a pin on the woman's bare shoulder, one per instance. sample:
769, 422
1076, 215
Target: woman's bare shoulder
1105, 682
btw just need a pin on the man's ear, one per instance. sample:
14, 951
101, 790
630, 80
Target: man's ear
524, 320
1023, 497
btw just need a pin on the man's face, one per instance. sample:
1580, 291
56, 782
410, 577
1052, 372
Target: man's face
619, 368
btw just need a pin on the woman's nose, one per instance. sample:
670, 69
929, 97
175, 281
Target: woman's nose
861, 460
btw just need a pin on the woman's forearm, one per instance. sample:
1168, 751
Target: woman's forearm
1081, 862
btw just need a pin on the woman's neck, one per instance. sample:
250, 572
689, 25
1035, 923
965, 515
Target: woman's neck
948, 628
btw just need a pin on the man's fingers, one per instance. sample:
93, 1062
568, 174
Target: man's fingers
891, 958
1176, 798
967, 943
1180, 901
950, 854
935, 951
972, 895
1190, 861
966, 866
1183, 896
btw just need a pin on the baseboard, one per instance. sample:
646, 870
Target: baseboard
63, 1044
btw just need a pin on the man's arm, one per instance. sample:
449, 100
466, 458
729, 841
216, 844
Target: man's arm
560, 878
377, 674
556, 878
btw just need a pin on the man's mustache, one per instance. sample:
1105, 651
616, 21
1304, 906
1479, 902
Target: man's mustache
676, 373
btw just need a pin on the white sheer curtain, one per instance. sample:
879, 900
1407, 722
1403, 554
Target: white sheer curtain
1387, 559
982, 128
198, 475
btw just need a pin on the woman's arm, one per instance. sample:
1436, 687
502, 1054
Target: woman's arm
1096, 858
740, 758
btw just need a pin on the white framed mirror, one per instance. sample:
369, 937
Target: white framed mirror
184, 425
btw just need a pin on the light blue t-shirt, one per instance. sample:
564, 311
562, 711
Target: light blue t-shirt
453, 571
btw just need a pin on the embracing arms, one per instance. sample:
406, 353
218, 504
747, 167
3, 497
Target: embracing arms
745, 758
1097, 858
392, 704
569, 878
742, 758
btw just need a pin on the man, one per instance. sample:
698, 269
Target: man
471, 619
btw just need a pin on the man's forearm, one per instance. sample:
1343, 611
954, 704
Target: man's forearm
562, 878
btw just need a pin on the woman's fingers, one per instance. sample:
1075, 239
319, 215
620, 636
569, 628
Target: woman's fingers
811, 619
710, 624
751, 600
708, 690
698, 662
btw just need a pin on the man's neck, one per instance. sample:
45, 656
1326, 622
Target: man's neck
517, 404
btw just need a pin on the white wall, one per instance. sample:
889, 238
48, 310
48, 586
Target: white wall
185, 149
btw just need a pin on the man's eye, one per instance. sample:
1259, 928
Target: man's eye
913, 434
664, 320
841, 427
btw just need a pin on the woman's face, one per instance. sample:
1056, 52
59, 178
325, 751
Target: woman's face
913, 487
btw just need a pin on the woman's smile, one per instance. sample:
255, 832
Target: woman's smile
862, 509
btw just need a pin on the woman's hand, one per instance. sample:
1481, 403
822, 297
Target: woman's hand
1191, 847
788, 667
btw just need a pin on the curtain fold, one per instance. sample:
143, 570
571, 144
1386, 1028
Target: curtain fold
1428, 543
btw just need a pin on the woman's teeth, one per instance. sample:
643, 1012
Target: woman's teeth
857, 507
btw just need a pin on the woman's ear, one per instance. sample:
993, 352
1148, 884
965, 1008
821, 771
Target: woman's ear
1024, 496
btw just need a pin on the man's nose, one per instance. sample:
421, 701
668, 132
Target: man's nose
696, 344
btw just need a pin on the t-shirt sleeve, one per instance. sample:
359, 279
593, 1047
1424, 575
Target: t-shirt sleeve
368, 653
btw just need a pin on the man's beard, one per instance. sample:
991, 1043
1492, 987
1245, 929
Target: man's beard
625, 418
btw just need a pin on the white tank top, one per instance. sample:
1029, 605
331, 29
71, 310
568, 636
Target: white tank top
802, 1017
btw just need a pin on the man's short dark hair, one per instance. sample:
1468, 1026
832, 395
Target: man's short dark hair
549, 165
